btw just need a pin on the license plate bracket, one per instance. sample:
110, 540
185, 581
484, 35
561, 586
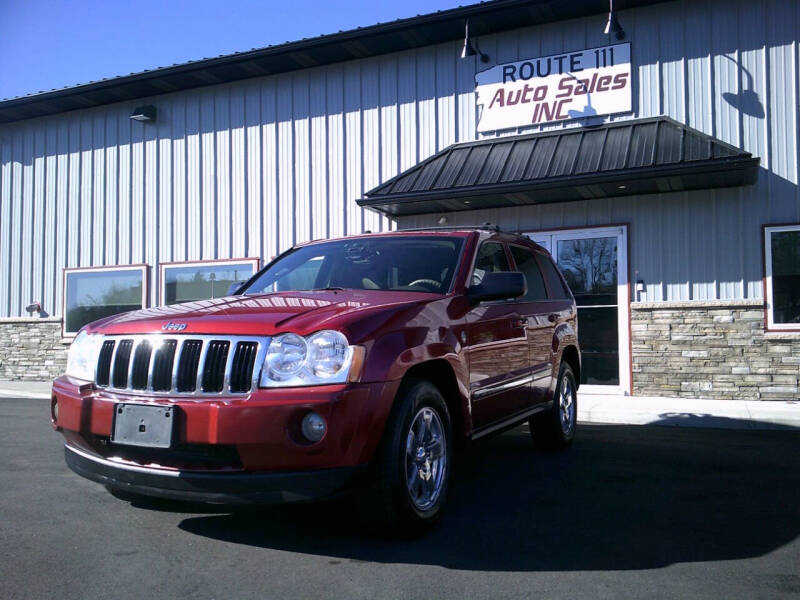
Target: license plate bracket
143, 425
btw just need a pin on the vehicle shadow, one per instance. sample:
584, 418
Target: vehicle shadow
623, 497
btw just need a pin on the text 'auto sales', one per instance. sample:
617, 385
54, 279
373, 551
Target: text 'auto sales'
572, 85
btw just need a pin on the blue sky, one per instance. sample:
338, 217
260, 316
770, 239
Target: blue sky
46, 44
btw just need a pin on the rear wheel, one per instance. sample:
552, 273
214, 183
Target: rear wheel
555, 429
411, 471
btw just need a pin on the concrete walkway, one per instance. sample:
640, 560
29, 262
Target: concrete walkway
688, 412
601, 408
25, 389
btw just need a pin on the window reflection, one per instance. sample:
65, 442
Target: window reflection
202, 282
590, 268
599, 340
93, 295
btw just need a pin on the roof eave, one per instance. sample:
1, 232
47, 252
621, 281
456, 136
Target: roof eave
738, 171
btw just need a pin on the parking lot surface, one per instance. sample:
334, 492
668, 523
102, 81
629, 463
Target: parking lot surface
629, 511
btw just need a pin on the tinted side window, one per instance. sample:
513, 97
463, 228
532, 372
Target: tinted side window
527, 265
491, 257
557, 288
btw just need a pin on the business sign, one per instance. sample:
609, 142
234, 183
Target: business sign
573, 85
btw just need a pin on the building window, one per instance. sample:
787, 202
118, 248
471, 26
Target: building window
782, 253
190, 281
94, 293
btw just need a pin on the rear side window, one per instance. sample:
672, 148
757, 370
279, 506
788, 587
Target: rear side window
557, 288
527, 265
491, 258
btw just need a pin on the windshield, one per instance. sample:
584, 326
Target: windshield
408, 264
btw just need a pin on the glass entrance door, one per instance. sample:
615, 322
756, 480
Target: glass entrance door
594, 263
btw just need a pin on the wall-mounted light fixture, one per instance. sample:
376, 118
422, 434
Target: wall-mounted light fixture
471, 49
144, 113
613, 26
36, 307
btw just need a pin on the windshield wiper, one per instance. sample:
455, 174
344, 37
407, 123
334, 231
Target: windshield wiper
328, 289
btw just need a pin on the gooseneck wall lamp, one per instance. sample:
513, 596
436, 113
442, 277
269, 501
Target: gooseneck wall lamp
470, 48
613, 26
144, 114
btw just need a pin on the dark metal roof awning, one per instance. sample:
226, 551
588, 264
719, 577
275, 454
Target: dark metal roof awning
642, 156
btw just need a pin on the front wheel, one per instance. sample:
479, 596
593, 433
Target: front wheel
411, 471
555, 429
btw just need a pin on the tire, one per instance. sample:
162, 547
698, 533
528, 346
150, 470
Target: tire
409, 480
555, 429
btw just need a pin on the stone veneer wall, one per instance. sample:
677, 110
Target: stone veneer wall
31, 349
712, 349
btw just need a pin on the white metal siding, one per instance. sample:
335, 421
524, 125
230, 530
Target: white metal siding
701, 244
250, 168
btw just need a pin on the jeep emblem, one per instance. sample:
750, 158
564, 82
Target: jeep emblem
173, 326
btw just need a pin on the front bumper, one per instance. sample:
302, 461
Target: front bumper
218, 488
228, 450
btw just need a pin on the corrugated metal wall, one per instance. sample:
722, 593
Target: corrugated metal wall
727, 68
250, 168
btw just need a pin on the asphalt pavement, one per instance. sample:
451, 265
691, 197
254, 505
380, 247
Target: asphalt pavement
627, 512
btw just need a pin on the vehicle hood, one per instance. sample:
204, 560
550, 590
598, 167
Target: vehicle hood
261, 314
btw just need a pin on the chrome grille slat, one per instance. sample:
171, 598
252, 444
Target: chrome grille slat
201, 366
226, 377
131, 360
232, 369
176, 362
150, 366
113, 362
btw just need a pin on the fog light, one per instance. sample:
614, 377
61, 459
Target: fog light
54, 410
313, 427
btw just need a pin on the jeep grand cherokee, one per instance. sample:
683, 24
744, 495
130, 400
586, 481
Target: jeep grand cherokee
352, 362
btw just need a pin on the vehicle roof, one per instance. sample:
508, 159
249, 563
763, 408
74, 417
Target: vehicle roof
485, 231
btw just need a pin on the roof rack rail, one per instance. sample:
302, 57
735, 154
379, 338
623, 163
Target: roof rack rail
484, 227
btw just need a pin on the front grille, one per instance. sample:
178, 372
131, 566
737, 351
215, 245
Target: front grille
162, 366
104, 362
188, 364
121, 363
214, 367
141, 366
181, 365
242, 370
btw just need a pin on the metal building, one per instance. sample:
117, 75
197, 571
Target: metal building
685, 181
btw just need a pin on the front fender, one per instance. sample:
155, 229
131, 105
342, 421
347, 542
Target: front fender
393, 355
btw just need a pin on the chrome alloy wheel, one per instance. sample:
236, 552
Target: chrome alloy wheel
426, 458
566, 405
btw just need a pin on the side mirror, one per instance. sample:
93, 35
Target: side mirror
234, 287
498, 286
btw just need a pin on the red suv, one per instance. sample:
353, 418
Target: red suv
357, 361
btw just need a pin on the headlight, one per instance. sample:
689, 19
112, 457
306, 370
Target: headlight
323, 357
82, 357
